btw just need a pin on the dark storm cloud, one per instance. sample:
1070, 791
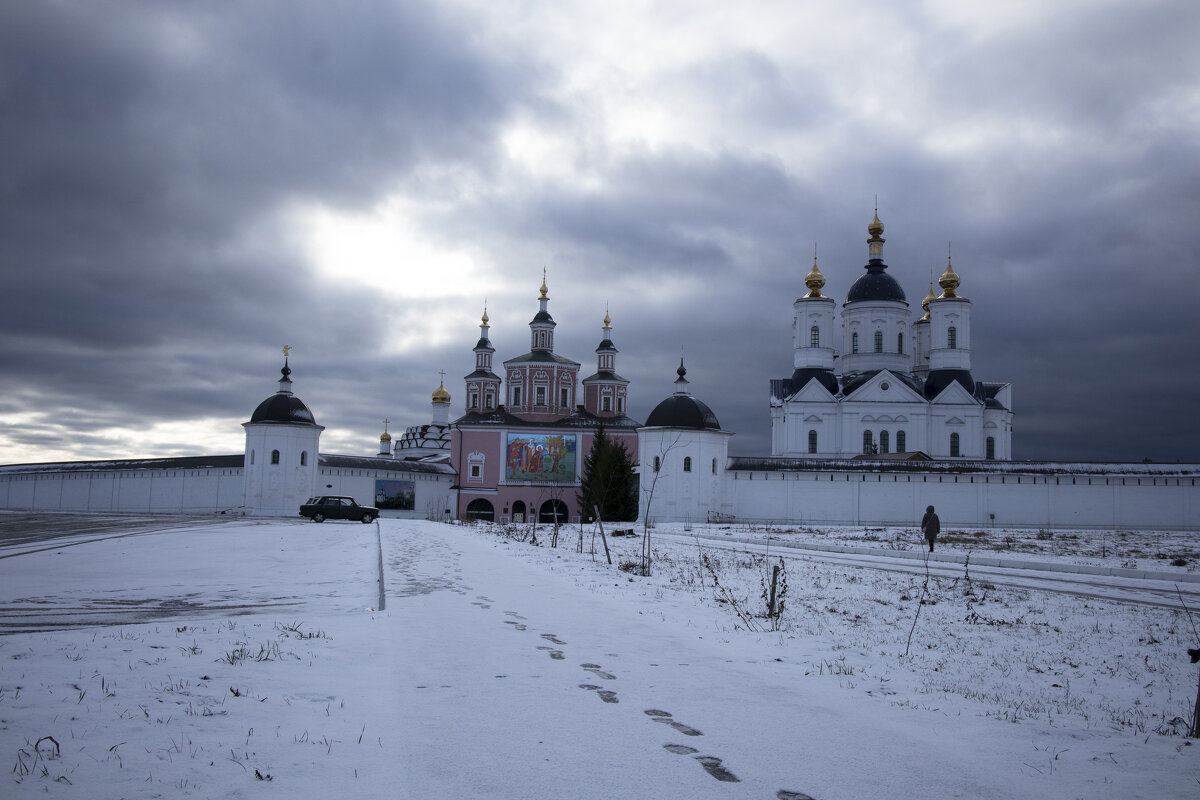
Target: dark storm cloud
152, 153
148, 153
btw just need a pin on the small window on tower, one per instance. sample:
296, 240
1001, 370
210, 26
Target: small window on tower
657, 463
541, 396
606, 403
714, 466
488, 401
812, 441
564, 398
878, 341
304, 458
814, 337
274, 456
516, 392
991, 448
900, 343
952, 337
474, 400
620, 405
687, 463
954, 445
854, 342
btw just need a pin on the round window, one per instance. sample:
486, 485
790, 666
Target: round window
884, 386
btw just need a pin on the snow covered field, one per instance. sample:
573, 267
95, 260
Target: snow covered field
261, 665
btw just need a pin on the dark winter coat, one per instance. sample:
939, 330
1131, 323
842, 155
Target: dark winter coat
931, 526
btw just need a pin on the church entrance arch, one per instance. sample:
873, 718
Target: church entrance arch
518, 511
553, 511
480, 509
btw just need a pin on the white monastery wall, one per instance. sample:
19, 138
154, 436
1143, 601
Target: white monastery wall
176, 491
1035, 501
432, 490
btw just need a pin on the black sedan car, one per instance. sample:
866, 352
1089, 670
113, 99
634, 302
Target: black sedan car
331, 506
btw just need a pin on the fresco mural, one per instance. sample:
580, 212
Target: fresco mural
539, 457
397, 495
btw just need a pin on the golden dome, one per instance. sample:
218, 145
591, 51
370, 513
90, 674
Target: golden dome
385, 437
875, 228
484, 319
607, 321
815, 281
440, 395
949, 283
544, 290
925, 303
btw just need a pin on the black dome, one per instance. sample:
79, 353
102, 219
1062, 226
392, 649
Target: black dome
939, 379
825, 377
682, 411
875, 285
283, 408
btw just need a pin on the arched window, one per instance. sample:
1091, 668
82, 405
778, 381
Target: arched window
868, 448
687, 463
854, 342
480, 509
883, 441
878, 341
952, 337
553, 512
657, 464
900, 443
304, 458
954, 447
991, 448
274, 456
814, 337
899, 342
812, 441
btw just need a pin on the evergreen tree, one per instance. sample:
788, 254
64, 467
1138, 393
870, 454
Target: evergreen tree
608, 481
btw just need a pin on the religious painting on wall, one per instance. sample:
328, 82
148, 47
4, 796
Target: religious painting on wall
398, 495
538, 457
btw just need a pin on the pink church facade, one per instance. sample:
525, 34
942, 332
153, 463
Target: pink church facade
520, 446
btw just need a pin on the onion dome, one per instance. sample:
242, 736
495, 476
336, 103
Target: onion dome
949, 283
681, 410
440, 395
876, 285
283, 407
385, 437
925, 303
815, 281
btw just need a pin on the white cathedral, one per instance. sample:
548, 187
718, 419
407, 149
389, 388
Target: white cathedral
882, 385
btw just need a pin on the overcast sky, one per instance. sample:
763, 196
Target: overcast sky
185, 188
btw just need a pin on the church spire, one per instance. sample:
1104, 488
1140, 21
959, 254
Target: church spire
949, 280
814, 280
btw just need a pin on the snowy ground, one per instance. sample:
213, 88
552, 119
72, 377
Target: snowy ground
500, 669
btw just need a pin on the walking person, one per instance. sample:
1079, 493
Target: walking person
931, 526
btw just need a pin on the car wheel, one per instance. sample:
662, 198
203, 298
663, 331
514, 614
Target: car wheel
318, 517
368, 519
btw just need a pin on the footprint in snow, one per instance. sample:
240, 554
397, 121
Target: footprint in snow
605, 695
665, 718
550, 637
599, 673
557, 655
712, 765
784, 794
